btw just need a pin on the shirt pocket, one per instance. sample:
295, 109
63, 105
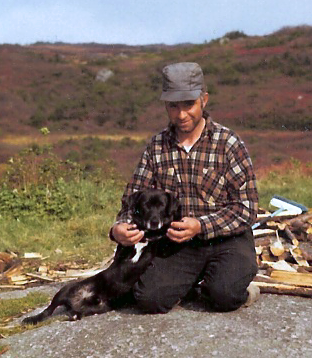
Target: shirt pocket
213, 187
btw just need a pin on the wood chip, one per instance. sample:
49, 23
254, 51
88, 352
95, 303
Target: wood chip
280, 265
39, 277
263, 232
297, 254
32, 255
16, 278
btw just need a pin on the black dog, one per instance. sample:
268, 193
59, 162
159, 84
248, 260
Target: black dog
152, 211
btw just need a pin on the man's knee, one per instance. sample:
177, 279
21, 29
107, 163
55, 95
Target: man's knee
224, 298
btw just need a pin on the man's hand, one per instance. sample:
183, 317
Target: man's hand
184, 230
127, 234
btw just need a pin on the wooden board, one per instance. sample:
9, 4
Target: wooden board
293, 278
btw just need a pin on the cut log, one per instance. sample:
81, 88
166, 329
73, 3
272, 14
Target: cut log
263, 241
276, 246
300, 219
291, 236
282, 289
274, 225
293, 278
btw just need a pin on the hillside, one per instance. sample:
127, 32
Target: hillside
259, 86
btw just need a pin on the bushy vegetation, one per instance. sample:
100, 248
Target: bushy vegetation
233, 35
36, 183
57, 207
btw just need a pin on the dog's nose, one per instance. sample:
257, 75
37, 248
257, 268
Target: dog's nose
154, 224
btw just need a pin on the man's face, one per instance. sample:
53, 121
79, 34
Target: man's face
186, 115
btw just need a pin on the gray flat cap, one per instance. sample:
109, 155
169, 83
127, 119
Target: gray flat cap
182, 82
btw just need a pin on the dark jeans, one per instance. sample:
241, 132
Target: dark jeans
226, 265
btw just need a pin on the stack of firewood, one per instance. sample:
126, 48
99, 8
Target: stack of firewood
14, 271
284, 254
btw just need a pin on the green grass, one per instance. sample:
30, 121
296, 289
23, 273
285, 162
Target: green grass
10, 308
13, 307
293, 183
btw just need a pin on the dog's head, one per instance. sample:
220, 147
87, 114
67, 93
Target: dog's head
153, 209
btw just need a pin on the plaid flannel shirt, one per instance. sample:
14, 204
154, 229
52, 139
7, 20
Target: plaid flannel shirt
214, 181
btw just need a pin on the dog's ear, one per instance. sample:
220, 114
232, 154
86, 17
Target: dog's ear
133, 198
174, 207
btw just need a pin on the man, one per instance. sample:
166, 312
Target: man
208, 168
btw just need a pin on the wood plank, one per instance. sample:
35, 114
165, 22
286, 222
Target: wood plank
294, 278
19, 287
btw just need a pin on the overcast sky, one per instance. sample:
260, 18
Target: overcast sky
139, 22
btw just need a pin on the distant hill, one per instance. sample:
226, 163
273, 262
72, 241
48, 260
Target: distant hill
255, 83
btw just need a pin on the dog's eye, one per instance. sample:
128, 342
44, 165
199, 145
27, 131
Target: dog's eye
137, 211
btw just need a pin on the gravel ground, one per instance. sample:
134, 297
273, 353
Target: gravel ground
275, 326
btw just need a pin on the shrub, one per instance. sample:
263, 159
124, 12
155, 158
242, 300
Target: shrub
38, 119
210, 69
267, 41
229, 77
235, 35
35, 184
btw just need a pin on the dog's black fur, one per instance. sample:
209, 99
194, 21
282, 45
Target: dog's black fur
152, 211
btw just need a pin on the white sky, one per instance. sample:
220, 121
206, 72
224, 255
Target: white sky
139, 22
